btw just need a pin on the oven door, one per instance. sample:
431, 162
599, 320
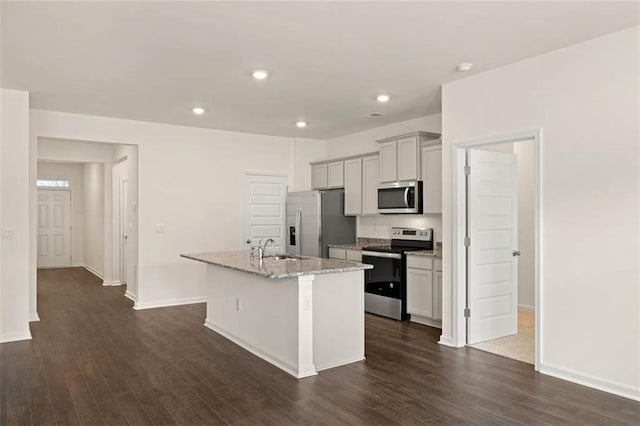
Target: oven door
384, 285
400, 197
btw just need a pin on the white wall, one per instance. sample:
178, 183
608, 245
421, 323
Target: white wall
304, 152
189, 181
585, 100
75, 173
14, 220
379, 226
94, 207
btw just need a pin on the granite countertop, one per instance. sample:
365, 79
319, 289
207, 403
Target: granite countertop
362, 243
426, 253
276, 269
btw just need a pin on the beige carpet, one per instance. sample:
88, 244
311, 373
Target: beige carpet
520, 346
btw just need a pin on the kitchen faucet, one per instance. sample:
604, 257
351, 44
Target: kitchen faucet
264, 247
261, 248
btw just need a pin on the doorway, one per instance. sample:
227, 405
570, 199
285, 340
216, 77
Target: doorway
123, 221
491, 311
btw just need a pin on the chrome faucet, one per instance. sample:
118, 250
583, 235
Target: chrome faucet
264, 246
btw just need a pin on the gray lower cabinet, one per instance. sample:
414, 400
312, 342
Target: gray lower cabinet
424, 290
345, 254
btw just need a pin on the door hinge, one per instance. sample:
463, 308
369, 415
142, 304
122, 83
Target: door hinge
467, 241
467, 313
467, 170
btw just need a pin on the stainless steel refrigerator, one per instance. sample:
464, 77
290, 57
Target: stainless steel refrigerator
316, 219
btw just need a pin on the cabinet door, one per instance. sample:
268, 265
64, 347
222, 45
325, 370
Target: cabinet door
370, 181
355, 255
420, 292
337, 253
353, 187
432, 177
335, 174
408, 159
388, 162
319, 176
437, 295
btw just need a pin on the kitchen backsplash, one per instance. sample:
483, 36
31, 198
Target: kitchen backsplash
380, 226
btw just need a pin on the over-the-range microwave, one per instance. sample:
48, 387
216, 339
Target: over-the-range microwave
404, 197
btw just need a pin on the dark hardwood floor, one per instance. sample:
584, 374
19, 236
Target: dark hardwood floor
93, 360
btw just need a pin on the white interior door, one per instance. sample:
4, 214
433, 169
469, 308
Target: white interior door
54, 228
264, 210
124, 229
492, 226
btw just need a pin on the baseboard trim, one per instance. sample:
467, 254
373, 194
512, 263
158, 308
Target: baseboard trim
34, 317
426, 321
447, 341
130, 296
15, 337
260, 353
111, 283
93, 271
590, 381
339, 363
526, 308
77, 265
171, 302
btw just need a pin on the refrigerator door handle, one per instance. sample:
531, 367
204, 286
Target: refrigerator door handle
298, 234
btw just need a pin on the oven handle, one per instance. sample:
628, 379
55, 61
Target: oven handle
382, 254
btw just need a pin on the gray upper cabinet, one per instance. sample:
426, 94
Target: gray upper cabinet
319, 176
431, 174
370, 182
400, 156
353, 187
335, 174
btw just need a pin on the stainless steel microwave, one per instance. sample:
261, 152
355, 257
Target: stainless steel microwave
403, 197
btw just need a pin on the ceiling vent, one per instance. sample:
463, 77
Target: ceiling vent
375, 114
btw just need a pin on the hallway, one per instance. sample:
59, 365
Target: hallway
94, 360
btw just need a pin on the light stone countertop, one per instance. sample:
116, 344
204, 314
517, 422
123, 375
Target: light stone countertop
276, 269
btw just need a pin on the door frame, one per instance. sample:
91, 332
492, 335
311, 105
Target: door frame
123, 210
71, 218
459, 229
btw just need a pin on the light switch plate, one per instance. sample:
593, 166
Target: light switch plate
159, 229
8, 233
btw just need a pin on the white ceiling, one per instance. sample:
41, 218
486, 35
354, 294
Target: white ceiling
328, 61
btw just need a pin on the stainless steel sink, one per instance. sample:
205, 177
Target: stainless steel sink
283, 257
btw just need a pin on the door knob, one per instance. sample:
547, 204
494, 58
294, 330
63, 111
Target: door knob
516, 253
248, 241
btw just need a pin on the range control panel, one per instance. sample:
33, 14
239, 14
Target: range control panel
414, 234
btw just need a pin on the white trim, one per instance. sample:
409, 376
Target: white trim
591, 381
111, 283
77, 265
447, 341
429, 322
526, 308
15, 336
458, 209
130, 296
260, 353
34, 317
340, 363
169, 302
93, 271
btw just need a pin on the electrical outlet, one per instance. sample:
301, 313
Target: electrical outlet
159, 228
306, 303
8, 234
238, 305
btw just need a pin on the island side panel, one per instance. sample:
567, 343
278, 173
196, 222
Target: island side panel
259, 314
338, 319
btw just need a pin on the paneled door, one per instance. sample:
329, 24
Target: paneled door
264, 210
54, 228
492, 215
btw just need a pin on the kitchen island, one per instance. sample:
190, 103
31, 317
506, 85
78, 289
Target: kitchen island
301, 314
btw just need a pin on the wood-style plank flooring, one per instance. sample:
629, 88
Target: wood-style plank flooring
93, 360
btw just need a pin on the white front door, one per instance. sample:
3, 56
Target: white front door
54, 228
492, 224
264, 210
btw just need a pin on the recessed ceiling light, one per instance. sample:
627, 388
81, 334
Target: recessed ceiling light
260, 74
464, 67
383, 98
198, 110
301, 124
